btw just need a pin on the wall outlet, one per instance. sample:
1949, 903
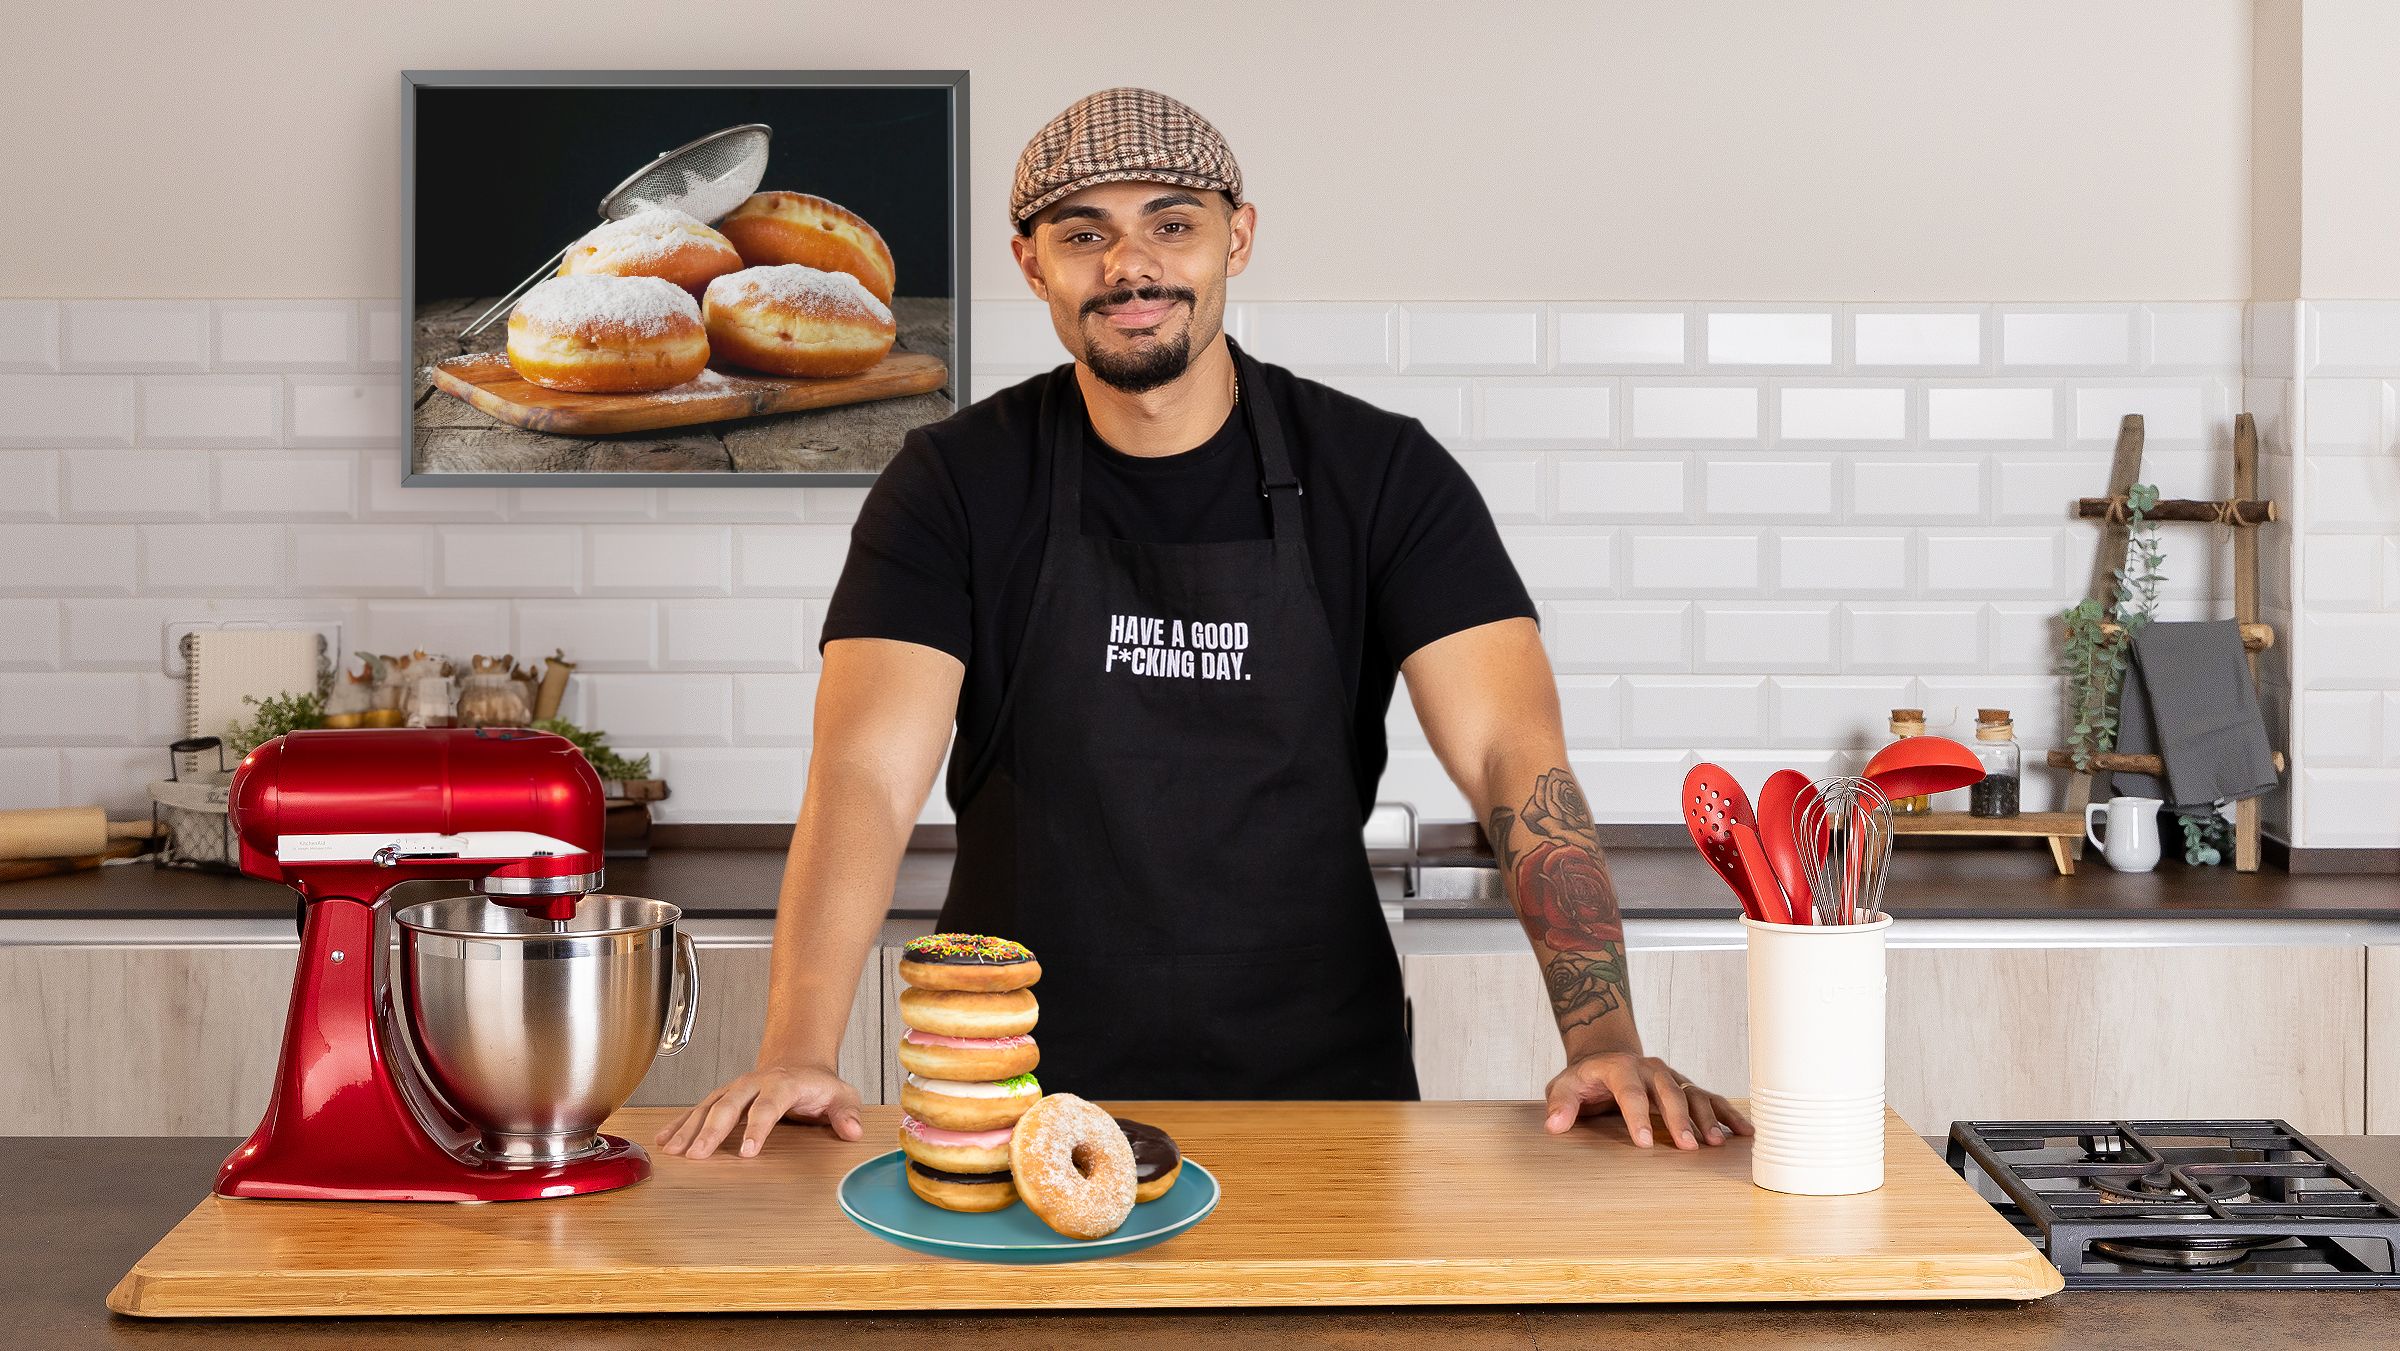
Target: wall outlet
328, 631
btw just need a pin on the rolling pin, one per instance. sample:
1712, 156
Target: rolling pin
63, 832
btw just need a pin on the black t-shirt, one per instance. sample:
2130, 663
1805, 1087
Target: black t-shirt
948, 543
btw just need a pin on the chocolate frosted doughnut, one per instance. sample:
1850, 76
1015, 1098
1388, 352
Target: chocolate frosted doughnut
971, 1192
1156, 1160
977, 962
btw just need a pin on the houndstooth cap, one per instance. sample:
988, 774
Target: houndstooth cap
1120, 134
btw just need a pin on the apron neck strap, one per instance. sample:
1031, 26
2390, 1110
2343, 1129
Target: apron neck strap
1064, 415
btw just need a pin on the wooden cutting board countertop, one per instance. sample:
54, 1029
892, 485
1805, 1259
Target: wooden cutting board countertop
1324, 1204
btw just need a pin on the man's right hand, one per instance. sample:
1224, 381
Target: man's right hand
753, 1102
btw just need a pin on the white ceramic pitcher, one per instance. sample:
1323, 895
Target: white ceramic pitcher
2132, 842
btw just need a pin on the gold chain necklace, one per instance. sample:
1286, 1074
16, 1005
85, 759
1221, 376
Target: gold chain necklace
1237, 384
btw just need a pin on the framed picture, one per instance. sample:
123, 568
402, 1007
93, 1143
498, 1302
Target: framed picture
640, 277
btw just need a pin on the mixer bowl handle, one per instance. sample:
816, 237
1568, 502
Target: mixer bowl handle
685, 1010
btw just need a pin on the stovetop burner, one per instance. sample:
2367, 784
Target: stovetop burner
2160, 1204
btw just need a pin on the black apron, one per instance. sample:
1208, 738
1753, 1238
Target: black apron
1166, 812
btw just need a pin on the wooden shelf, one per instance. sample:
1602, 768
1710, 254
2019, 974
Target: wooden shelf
2128, 762
2059, 829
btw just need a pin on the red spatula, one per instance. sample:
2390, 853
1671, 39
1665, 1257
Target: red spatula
1777, 798
1916, 765
1713, 804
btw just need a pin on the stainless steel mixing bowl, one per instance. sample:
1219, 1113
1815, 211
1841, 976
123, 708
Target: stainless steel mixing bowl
535, 1031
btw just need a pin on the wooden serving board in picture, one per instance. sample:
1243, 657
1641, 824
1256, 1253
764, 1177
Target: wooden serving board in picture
486, 380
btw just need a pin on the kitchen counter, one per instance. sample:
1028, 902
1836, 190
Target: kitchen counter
1928, 880
80, 1212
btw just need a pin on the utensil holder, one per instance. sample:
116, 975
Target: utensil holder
1816, 1056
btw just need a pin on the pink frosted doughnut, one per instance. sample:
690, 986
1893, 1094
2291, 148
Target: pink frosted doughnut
1073, 1166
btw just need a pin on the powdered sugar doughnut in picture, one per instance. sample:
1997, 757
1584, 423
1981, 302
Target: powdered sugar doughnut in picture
601, 334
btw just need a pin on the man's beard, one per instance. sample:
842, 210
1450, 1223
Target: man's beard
1155, 363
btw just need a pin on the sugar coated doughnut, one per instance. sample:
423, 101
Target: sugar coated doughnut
974, 962
956, 1151
796, 320
654, 242
598, 334
1156, 1161
800, 227
969, 1013
1073, 1166
967, 1058
964, 1106
970, 1192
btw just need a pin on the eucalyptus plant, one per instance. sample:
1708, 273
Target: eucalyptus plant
2094, 654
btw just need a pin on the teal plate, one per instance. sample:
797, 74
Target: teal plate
876, 1197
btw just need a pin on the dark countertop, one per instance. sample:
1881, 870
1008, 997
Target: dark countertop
1937, 880
79, 1212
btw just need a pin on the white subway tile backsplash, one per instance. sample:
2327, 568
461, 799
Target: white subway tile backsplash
334, 411
1786, 489
1991, 413
1510, 485
1841, 413
590, 504
1415, 775
1602, 337
780, 709
286, 485
1694, 710
833, 504
1940, 340
1016, 335
597, 635
356, 560
1462, 338
1841, 564
1913, 638
1611, 487
1916, 491
384, 333
1587, 706
2173, 414
2352, 807
134, 335
512, 560
2354, 493
2045, 487
70, 708
790, 559
2348, 417
60, 411
1315, 338
1440, 404
1991, 565
2036, 705
1665, 564
2352, 337
210, 410
1845, 713
2391, 723
1604, 636
38, 559
660, 560
1749, 637
390, 499
114, 778
28, 335
28, 485
1638, 786
2093, 339
731, 635
286, 335
1554, 562
2351, 651
1770, 338
29, 635
2344, 572
2341, 727
1693, 412
29, 778
718, 783
2192, 339
1575, 415
655, 709
133, 485
213, 559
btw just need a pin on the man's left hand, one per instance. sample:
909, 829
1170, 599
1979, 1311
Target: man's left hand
1635, 1085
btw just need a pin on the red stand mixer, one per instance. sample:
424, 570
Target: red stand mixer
437, 1094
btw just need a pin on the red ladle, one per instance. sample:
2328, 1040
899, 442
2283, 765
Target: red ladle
1713, 805
1916, 765
1778, 804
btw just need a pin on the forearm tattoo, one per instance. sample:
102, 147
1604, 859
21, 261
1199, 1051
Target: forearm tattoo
1564, 898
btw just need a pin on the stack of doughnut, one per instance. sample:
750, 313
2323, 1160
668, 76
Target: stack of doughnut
968, 1060
787, 283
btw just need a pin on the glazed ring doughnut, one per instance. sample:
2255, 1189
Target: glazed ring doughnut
973, 1193
959, 1106
954, 1151
967, 1058
1156, 1160
795, 320
1073, 1167
598, 334
976, 962
800, 227
968, 1013
654, 242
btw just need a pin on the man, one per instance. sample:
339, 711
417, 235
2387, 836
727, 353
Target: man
1165, 592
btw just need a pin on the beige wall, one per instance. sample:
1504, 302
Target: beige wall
1717, 149
2350, 183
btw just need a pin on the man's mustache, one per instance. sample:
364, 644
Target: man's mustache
1143, 295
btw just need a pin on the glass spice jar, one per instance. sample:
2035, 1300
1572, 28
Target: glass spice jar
1908, 722
2003, 765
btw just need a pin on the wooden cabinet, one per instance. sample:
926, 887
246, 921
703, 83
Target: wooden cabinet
2383, 1041
2008, 1032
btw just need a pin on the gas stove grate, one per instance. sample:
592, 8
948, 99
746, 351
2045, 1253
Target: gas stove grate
2158, 1205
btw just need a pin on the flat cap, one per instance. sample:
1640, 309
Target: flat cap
1116, 135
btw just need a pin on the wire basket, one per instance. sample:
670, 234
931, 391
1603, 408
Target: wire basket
190, 810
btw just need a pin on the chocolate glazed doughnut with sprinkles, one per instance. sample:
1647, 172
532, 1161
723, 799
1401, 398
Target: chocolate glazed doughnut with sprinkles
976, 962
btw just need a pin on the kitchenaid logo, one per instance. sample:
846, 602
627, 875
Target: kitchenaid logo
1144, 645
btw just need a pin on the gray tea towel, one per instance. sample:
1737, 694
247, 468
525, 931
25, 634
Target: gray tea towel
2188, 698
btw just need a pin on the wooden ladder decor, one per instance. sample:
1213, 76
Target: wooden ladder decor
2243, 513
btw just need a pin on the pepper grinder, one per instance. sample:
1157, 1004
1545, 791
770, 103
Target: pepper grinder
1996, 747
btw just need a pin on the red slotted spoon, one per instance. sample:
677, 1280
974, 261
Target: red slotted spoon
1713, 805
